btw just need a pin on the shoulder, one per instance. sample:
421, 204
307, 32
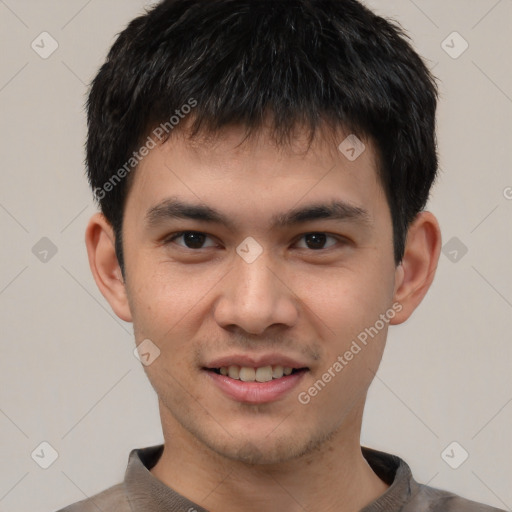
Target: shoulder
111, 499
407, 495
436, 500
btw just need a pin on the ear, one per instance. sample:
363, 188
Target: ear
416, 272
99, 239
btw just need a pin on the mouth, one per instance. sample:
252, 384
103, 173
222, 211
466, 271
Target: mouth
260, 374
255, 380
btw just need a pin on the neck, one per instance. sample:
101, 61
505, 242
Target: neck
334, 476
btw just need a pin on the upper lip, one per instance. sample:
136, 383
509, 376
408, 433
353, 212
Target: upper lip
253, 361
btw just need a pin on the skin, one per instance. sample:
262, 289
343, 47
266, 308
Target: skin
197, 304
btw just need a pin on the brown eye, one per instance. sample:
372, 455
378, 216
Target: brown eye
317, 241
191, 239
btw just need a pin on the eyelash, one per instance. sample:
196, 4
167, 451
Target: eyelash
179, 234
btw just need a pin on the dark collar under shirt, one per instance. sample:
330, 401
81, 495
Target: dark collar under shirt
141, 491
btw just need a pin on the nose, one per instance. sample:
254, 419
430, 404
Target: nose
255, 296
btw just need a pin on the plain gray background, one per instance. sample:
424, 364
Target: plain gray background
68, 374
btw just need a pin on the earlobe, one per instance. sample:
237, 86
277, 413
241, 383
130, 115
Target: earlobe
99, 239
415, 273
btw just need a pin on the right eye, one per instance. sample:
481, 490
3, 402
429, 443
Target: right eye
191, 239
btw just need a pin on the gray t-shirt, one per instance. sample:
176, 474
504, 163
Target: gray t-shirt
141, 491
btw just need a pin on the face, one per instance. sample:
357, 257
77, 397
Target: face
255, 260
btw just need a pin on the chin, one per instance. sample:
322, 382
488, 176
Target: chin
254, 440
265, 451
262, 453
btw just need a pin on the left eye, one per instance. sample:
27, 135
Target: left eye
316, 241
191, 239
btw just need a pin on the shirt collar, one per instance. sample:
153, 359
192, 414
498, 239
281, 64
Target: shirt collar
396, 473
146, 493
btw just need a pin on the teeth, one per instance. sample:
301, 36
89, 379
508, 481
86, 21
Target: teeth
264, 374
277, 372
234, 372
248, 374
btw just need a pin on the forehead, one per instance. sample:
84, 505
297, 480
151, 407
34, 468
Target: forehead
230, 172
233, 143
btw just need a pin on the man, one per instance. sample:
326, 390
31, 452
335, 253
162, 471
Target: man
262, 170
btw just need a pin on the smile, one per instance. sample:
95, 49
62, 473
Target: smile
261, 374
251, 385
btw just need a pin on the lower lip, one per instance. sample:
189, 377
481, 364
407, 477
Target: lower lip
256, 392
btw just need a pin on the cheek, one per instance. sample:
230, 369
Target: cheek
347, 301
354, 343
166, 300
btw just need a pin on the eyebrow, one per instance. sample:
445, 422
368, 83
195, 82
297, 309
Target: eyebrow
173, 208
